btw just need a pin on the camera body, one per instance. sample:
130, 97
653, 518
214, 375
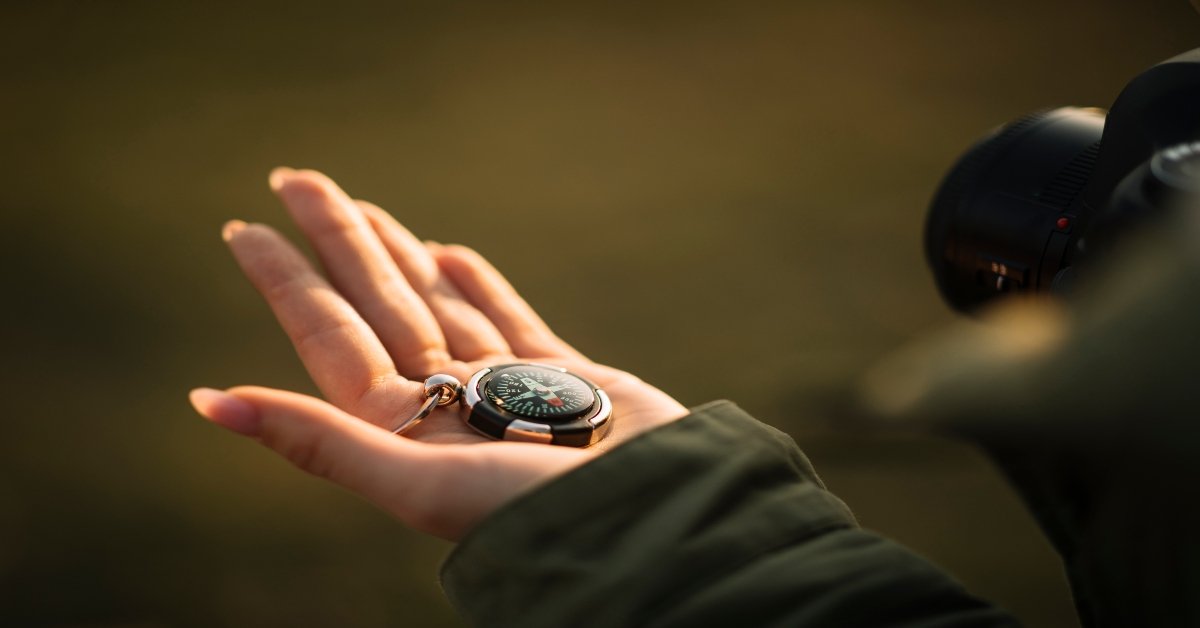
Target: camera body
1027, 207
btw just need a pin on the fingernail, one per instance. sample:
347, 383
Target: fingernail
224, 409
279, 176
231, 229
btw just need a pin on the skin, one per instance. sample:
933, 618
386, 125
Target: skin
389, 311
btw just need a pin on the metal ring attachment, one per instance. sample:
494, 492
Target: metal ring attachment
440, 390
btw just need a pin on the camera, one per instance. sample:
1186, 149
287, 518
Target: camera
1030, 207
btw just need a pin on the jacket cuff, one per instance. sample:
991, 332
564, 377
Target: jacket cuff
654, 519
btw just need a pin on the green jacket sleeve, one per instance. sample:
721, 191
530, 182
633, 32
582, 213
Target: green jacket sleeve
715, 519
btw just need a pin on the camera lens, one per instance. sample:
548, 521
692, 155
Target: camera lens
1007, 212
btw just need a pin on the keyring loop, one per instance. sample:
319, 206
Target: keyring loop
440, 390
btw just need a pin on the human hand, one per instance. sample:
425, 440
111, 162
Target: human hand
393, 311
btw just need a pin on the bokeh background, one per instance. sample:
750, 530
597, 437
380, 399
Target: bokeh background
725, 198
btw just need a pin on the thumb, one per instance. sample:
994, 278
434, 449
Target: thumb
317, 437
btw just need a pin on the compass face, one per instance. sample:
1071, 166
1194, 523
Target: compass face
539, 393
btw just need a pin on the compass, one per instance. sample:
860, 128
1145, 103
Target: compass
539, 392
536, 403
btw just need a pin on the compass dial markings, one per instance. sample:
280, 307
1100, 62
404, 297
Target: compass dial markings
539, 392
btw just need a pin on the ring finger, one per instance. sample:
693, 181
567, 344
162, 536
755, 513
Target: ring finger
469, 334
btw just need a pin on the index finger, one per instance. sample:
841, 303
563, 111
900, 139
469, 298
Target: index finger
344, 357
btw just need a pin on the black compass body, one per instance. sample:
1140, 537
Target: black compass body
536, 403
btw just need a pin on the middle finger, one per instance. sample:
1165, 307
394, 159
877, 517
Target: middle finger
363, 271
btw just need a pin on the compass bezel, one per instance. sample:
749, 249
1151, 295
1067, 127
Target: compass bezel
496, 422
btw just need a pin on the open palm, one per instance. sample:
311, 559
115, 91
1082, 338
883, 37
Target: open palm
393, 311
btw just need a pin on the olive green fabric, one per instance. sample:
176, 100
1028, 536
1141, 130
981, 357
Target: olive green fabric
715, 520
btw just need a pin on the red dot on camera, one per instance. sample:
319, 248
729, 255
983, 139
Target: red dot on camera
1063, 223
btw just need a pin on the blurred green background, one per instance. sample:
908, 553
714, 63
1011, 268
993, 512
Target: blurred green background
747, 182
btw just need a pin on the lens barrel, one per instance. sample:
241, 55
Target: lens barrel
1007, 214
